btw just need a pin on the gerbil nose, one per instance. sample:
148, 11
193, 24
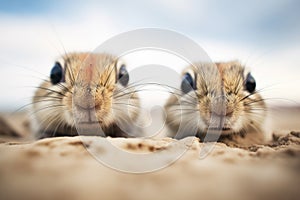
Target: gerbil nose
86, 102
220, 107
222, 113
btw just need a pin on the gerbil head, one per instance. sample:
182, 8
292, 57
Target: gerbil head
220, 96
86, 89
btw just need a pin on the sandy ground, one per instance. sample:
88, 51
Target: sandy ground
65, 168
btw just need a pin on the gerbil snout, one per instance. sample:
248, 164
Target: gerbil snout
86, 101
90, 104
223, 114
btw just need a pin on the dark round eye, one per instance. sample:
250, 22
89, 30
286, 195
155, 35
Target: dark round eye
123, 76
56, 75
187, 83
250, 83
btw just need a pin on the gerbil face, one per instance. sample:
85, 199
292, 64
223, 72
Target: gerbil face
89, 89
212, 92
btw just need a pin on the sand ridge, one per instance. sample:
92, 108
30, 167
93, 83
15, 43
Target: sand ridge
62, 168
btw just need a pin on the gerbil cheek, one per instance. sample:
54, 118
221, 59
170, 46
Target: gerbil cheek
71, 74
67, 101
103, 99
67, 109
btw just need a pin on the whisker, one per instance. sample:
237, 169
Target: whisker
183, 109
125, 94
256, 92
130, 86
47, 107
50, 91
118, 109
59, 124
109, 75
65, 88
269, 99
174, 88
49, 97
126, 104
254, 101
32, 103
185, 114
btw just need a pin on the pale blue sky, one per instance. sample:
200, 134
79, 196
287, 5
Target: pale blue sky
267, 21
263, 34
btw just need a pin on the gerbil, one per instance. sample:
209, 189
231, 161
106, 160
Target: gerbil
86, 89
220, 91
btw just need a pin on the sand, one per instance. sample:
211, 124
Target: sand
64, 168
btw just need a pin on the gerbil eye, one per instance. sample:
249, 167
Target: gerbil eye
187, 83
123, 75
56, 75
250, 83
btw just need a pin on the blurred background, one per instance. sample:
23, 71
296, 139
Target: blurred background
264, 35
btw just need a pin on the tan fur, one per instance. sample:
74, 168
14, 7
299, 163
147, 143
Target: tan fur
90, 81
214, 82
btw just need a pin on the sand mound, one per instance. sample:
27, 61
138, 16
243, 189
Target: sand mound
63, 168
